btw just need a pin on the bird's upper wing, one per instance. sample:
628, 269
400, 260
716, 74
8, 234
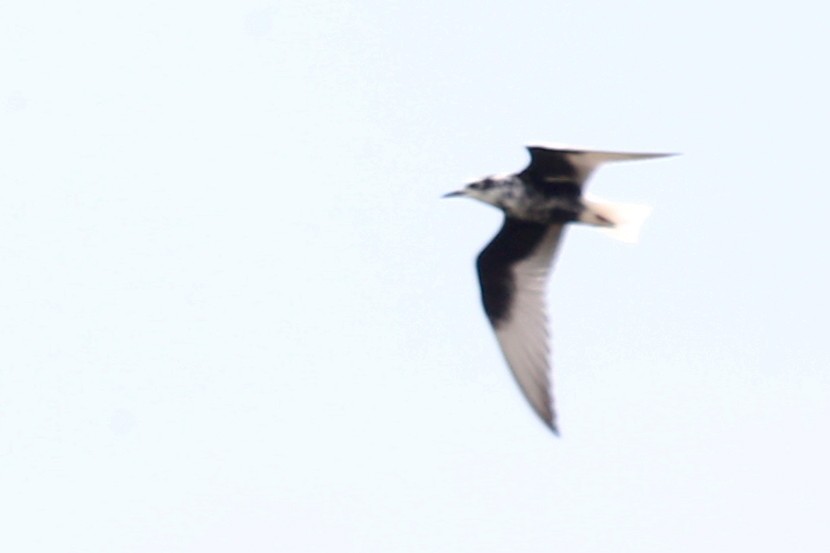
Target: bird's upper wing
513, 271
551, 164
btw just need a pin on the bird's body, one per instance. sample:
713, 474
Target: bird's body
555, 203
513, 268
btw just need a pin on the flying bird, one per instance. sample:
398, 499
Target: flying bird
513, 268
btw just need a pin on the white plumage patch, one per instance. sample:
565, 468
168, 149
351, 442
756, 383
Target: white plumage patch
620, 221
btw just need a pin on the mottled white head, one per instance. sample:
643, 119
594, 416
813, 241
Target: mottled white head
495, 190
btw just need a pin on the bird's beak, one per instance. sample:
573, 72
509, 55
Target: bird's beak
455, 194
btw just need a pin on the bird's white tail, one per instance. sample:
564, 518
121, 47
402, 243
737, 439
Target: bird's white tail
620, 221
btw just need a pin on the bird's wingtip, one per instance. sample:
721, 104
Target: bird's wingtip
550, 422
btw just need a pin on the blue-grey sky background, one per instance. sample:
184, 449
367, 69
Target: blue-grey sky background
236, 316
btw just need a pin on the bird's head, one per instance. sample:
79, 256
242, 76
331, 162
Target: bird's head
490, 190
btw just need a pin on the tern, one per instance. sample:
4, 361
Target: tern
513, 269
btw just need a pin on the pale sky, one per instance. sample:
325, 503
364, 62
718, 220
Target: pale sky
236, 315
